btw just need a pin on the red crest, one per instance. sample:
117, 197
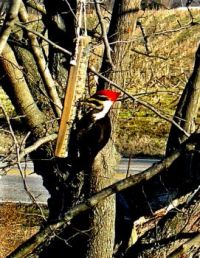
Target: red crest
111, 95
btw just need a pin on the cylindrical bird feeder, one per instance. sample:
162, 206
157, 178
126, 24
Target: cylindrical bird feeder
75, 89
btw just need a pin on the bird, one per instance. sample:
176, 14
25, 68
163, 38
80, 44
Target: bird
93, 130
88, 135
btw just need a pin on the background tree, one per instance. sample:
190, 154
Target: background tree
35, 63
116, 58
51, 78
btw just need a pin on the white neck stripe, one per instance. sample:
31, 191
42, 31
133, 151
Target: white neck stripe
106, 107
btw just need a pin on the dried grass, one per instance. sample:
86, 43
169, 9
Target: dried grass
160, 75
17, 223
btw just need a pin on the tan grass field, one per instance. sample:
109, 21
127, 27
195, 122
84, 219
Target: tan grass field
157, 77
160, 77
18, 222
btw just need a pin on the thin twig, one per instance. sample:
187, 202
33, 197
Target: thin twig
24, 152
44, 38
145, 104
158, 33
71, 10
36, 145
148, 55
144, 37
9, 23
49, 231
49, 83
104, 33
18, 161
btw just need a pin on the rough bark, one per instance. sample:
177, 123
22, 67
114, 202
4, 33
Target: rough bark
187, 108
48, 233
121, 30
102, 218
46, 76
61, 29
173, 230
39, 119
26, 105
33, 79
172, 235
186, 115
9, 22
39, 123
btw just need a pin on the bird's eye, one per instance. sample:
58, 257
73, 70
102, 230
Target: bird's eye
93, 104
101, 97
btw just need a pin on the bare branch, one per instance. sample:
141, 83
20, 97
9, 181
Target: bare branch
31, 148
186, 247
49, 231
56, 46
112, 83
17, 147
14, 73
145, 104
44, 71
9, 22
104, 33
160, 214
165, 32
36, 145
144, 37
38, 7
157, 33
148, 55
71, 10
44, 38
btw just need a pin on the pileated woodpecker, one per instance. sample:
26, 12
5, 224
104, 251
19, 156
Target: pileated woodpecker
88, 136
93, 130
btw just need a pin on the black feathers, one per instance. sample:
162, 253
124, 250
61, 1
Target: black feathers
87, 139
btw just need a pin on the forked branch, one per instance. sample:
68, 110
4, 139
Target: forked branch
50, 231
44, 70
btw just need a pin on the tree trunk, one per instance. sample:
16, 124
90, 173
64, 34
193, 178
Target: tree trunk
186, 115
61, 23
47, 234
170, 232
15, 78
182, 178
187, 108
24, 89
102, 217
121, 30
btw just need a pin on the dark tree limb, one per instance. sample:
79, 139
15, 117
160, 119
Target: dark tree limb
173, 235
187, 108
56, 46
49, 232
49, 83
195, 241
138, 100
